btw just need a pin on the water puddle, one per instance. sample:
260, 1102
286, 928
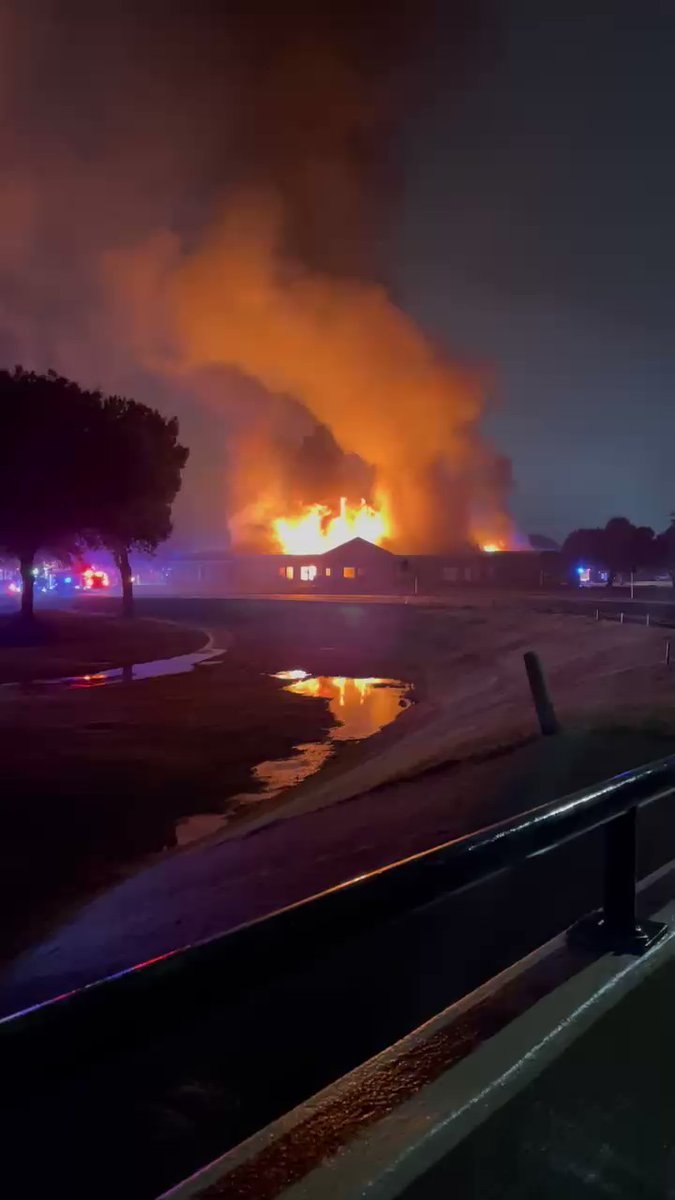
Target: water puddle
361, 706
178, 665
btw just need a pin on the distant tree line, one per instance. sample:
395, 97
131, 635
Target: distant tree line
81, 469
620, 548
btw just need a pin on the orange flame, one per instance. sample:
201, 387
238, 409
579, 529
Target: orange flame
317, 529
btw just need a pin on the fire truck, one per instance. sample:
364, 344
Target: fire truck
62, 581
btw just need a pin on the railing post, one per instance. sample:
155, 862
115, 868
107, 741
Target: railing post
615, 927
619, 879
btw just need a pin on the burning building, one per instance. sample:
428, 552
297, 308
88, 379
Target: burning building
359, 567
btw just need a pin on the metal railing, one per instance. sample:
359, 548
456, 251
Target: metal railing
270, 948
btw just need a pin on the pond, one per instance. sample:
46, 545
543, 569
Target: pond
361, 706
178, 664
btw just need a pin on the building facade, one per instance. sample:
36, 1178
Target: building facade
360, 568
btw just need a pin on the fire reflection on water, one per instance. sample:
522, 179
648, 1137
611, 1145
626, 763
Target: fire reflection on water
361, 707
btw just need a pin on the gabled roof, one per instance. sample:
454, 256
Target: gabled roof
355, 551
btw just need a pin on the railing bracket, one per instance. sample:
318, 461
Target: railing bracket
593, 933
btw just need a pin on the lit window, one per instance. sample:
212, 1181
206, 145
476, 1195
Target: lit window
289, 572
349, 572
308, 573
327, 572
282, 572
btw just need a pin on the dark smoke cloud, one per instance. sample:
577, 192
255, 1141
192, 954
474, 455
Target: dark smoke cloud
128, 129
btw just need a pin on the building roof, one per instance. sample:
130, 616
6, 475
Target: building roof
355, 551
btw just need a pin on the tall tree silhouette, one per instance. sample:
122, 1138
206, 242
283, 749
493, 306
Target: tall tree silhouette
48, 436
140, 466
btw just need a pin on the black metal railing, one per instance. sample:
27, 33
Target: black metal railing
261, 952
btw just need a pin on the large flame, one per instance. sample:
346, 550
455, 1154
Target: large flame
317, 528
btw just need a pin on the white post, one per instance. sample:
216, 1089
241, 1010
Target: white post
632, 585
415, 585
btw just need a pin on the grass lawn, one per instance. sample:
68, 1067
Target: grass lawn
75, 644
95, 779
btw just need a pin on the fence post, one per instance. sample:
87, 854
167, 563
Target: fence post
615, 928
548, 721
647, 619
667, 656
621, 618
597, 614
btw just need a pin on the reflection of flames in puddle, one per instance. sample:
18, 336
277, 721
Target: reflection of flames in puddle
361, 707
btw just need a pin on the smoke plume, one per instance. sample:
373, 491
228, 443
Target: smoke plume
197, 212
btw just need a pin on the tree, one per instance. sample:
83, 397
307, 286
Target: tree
665, 549
139, 476
620, 547
584, 547
626, 547
47, 430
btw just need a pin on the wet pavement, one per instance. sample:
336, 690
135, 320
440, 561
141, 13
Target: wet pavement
599, 1121
138, 1113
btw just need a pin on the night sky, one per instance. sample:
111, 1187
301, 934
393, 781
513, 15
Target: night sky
504, 167
537, 236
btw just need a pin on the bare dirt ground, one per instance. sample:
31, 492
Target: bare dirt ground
116, 768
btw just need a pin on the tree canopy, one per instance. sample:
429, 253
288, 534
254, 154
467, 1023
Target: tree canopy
80, 468
47, 428
619, 547
141, 461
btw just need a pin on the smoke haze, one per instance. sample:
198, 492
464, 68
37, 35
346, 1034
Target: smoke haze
195, 211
